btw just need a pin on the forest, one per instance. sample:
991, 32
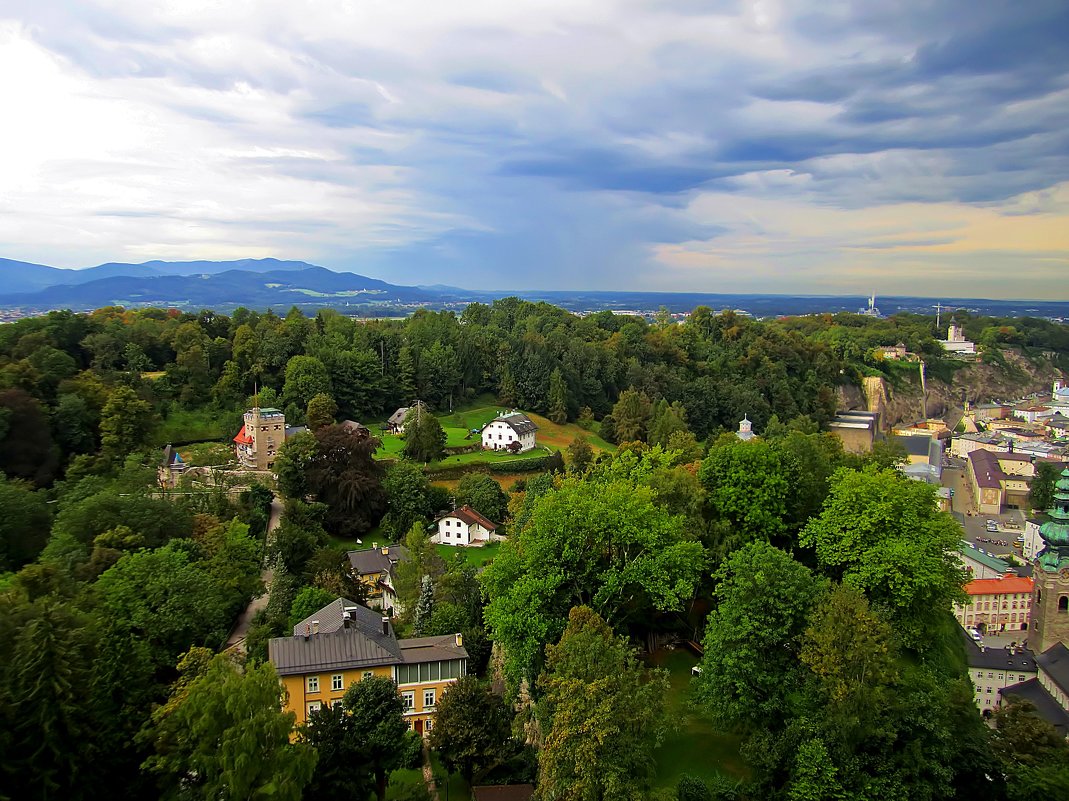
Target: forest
817, 581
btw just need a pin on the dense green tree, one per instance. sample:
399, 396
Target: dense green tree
344, 476
750, 670
665, 420
340, 771
630, 416
1041, 490
26, 447
484, 495
229, 738
884, 534
23, 524
605, 544
422, 560
408, 491
321, 411
424, 436
749, 486
602, 713
292, 463
309, 600
472, 729
306, 377
558, 397
47, 724
580, 454
74, 424
691, 788
376, 709
125, 422
1034, 756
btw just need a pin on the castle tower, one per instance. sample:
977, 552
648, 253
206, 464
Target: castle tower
261, 437
1050, 594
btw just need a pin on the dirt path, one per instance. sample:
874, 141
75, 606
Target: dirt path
236, 640
428, 774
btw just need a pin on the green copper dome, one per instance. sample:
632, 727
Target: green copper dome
1055, 532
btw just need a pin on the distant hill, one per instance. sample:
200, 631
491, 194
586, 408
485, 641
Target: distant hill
260, 287
25, 276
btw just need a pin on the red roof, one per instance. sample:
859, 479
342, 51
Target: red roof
242, 438
999, 586
469, 516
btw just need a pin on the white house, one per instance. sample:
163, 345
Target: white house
956, 341
465, 526
502, 431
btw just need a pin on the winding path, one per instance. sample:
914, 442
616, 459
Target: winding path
236, 640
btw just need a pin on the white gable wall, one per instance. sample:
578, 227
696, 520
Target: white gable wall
498, 435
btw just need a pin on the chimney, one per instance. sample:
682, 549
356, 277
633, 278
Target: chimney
385, 626
460, 640
315, 627
307, 630
386, 550
345, 618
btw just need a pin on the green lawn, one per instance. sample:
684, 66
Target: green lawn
694, 745
196, 425
473, 556
451, 787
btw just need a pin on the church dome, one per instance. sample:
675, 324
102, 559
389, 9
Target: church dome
1055, 532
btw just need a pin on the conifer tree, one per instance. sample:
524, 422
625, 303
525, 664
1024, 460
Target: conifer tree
424, 607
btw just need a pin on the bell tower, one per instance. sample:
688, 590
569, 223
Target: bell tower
1050, 592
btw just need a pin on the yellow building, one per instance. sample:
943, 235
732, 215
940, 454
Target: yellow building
344, 643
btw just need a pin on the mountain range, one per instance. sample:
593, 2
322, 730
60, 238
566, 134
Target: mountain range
27, 288
257, 283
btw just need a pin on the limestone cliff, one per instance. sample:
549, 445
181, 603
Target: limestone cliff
976, 383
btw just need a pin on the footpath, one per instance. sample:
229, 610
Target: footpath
236, 640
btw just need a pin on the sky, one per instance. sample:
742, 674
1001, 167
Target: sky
919, 147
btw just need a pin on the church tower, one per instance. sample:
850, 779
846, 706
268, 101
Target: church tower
1050, 593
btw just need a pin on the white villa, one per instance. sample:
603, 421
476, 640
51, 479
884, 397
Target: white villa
956, 341
502, 431
465, 526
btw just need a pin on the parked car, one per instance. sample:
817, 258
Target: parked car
992, 525
975, 635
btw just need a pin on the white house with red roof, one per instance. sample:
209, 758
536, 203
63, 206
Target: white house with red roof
511, 431
465, 526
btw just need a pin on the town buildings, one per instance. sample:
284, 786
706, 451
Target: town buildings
857, 430
994, 669
956, 342
344, 643
998, 479
996, 605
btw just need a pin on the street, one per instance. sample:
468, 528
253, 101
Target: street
1010, 522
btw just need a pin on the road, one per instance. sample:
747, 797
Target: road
236, 640
975, 524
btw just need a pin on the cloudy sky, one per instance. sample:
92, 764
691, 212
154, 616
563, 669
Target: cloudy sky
916, 147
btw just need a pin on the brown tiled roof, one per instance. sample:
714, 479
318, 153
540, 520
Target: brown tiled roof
469, 516
430, 649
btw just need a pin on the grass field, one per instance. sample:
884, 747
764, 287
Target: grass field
196, 425
693, 744
473, 556
550, 437
207, 454
506, 480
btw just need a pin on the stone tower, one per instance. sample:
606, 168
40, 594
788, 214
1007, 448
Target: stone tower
1050, 593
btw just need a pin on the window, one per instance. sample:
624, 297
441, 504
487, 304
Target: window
368, 674
1063, 603
447, 522
313, 684
408, 699
336, 682
314, 706
1000, 677
1021, 677
990, 675
989, 691
428, 699
430, 724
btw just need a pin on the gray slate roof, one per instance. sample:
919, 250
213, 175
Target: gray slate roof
332, 617
1023, 661
337, 650
521, 423
373, 560
1055, 663
1046, 707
